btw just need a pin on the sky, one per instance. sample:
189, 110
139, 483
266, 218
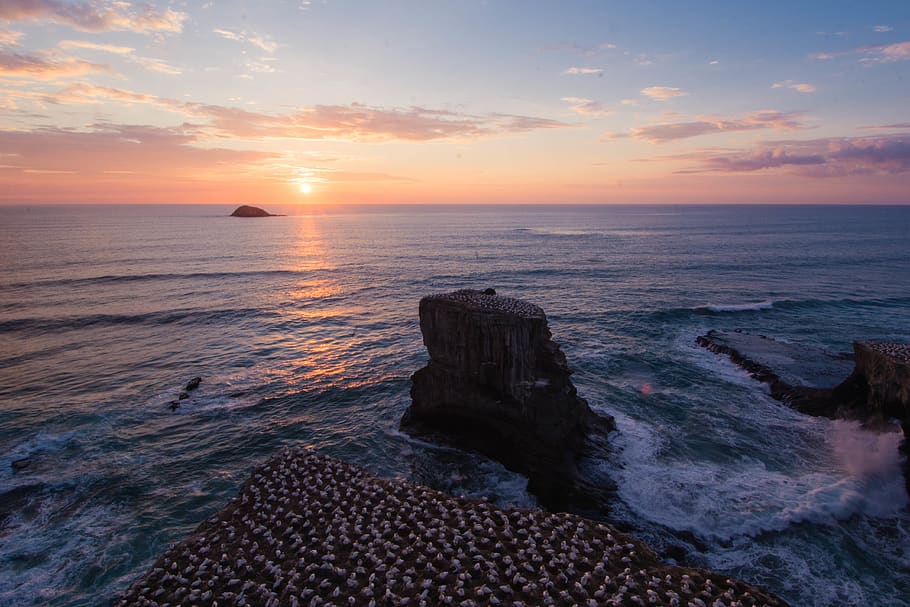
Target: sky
331, 101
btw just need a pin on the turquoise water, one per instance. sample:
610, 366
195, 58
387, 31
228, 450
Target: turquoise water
305, 332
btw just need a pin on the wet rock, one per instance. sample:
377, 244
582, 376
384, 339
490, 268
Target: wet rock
497, 383
21, 464
193, 384
173, 405
183, 396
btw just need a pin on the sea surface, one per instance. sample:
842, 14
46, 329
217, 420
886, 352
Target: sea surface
304, 330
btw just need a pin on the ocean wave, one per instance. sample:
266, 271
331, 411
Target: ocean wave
723, 501
149, 318
743, 307
128, 278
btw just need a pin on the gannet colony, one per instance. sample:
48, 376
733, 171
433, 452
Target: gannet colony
310, 530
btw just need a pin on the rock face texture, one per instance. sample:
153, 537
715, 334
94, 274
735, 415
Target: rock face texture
883, 370
250, 211
497, 382
310, 530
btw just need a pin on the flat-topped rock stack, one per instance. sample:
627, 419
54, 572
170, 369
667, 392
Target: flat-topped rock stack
497, 383
310, 530
882, 372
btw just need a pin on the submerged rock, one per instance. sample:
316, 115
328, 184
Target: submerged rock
497, 383
21, 464
310, 530
250, 211
193, 384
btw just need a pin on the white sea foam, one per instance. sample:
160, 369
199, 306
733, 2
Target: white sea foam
743, 307
859, 473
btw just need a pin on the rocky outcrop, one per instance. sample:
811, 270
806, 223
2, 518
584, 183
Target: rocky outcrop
881, 380
496, 382
875, 393
250, 211
802, 377
310, 530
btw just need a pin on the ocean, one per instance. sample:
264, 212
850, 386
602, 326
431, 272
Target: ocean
305, 331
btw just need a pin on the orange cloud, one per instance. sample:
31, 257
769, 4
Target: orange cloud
672, 131
587, 107
662, 93
45, 66
355, 122
92, 17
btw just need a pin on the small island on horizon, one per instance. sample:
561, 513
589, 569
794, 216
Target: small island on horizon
246, 210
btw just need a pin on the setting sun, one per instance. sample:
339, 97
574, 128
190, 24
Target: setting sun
306, 188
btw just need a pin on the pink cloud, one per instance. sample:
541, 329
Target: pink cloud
92, 16
828, 157
45, 66
118, 148
354, 122
801, 87
879, 53
671, 131
662, 93
587, 107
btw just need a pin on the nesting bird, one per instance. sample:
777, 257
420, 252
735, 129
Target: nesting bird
311, 530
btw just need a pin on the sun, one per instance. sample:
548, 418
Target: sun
306, 188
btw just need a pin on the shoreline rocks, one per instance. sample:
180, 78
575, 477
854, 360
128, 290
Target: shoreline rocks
307, 529
875, 392
498, 384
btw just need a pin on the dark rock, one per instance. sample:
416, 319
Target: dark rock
173, 405
183, 396
802, 377
193, 384
237, 394
21, 464
489, 291
875, 393
250, 211
498, 384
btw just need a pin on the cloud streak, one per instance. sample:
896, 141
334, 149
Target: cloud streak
93, 16
878, 53
662, 93
355, 122
673, 131
583, 71
821, 158
587, 107
45, 66
801, 87
260, 41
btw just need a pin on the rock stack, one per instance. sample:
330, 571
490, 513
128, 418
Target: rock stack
497, 383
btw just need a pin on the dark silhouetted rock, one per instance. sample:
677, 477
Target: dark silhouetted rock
193, 384
173, 405
489, 291
21, 464
250, 211
183, 396
498, 384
